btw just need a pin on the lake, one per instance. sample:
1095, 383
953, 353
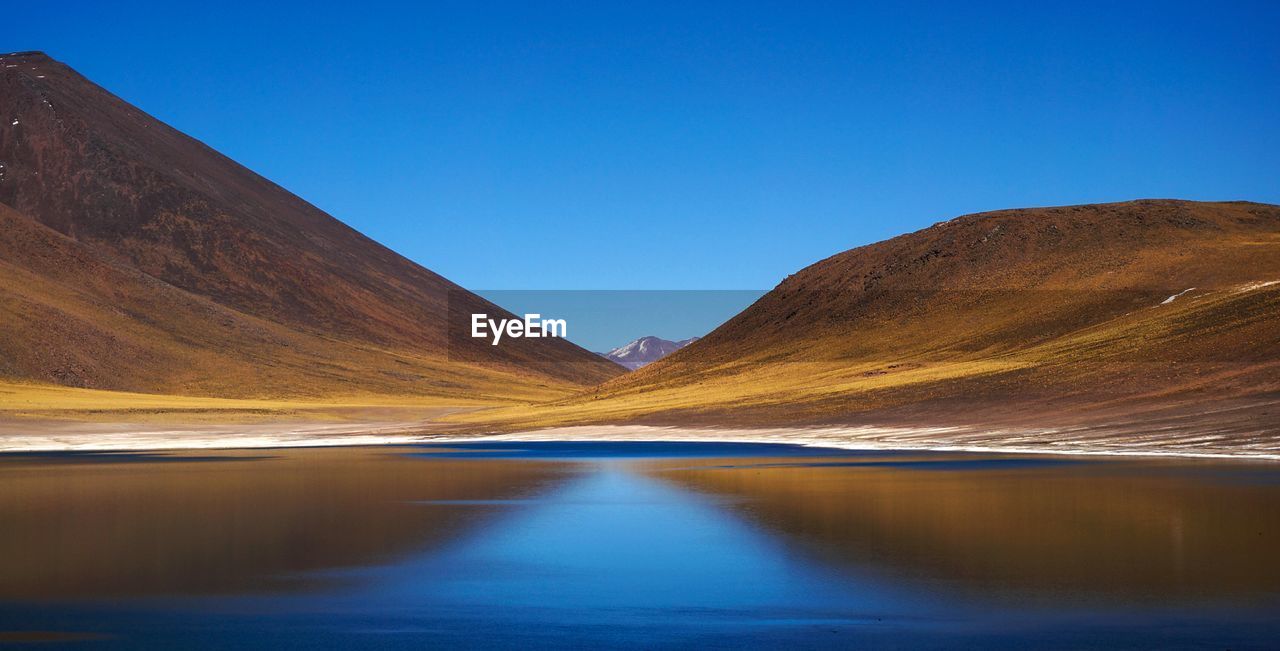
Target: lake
636, 545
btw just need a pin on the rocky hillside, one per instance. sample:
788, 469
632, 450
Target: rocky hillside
1160, 314
137, 258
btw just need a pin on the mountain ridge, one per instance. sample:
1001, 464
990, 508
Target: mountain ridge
133, 191
1046, 317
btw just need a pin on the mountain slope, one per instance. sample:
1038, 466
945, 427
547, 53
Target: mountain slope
140, 259
645, 351
1146, 311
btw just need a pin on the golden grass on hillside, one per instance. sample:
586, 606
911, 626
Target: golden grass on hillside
1161, 344
193, 275
779, 387
1203, 342
21, 400
88, 326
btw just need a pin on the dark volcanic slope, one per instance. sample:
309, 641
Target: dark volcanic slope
1053, 315
187, 225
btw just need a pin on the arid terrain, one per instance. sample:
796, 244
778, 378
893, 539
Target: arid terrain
150, 285
136, 259
1152, 319
1097, 352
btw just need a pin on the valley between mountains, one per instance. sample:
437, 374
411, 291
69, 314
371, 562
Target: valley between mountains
154, 293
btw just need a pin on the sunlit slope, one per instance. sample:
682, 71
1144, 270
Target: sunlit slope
135, 258
1048, 316
68, 309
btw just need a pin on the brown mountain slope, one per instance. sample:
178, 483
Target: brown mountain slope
136, 258
1055, 316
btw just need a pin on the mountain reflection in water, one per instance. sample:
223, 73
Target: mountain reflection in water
636, 545
87, 526
1060, 530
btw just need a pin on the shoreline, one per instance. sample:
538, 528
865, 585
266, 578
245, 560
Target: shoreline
826, 437
29, 436
122, 437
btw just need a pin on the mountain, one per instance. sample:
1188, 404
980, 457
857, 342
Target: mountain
645, 350
1159, 313
137, 258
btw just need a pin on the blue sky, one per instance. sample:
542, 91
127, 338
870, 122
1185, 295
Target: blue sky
692, 145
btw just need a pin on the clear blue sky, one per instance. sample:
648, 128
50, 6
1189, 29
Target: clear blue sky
687, 145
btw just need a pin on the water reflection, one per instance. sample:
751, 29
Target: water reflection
88, 526
1059, 530
657, 545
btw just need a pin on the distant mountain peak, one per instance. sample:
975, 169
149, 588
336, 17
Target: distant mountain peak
645, 350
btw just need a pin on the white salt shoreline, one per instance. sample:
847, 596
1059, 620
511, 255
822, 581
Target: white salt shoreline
120, 437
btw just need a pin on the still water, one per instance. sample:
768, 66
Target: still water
635, 545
